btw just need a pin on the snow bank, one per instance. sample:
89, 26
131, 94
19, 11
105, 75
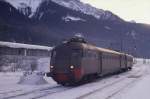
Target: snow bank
32, 78
11, 73
43, 64
141, 90
142, 61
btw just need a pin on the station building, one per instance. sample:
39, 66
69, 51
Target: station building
23, 57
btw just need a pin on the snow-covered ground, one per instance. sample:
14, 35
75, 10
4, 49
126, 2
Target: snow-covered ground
134, 84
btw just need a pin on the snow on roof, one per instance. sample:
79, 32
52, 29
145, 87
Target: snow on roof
26, 46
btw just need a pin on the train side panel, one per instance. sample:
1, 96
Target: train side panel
90, 62
123, 61
110, 63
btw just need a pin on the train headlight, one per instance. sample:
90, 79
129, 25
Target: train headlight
72, 67
51, 67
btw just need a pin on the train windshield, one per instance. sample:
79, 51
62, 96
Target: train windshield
66, 53
65, 58
76, 53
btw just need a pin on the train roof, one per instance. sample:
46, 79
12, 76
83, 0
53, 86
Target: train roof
100, 49
25, 46
129, 55
85, 44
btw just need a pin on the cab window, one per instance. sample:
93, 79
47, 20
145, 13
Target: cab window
77, 53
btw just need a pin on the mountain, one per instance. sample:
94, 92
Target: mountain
12, 23
27, 7
48, 22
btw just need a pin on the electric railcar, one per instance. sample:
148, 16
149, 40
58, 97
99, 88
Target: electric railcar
75, 60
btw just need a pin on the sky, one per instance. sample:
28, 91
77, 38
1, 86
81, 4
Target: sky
129, 10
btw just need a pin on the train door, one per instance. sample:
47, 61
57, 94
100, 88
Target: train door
100, 64
122, 61
126, 61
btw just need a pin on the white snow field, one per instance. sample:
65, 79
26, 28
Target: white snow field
32, 78
134, 84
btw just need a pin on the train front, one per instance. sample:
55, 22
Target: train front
65, 66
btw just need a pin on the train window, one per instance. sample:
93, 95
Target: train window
90, 54
75, 55
77, 52
87, 54
96, 55
93, 54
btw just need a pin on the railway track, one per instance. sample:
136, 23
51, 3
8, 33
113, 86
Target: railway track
120, 89
21, 93
128, 79
39, 93
108, 87
50, 92
100, 86
12, 91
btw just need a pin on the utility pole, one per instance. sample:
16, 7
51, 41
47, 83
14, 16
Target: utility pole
133, 34
121, 42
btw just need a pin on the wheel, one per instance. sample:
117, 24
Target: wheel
129, 68
63, 84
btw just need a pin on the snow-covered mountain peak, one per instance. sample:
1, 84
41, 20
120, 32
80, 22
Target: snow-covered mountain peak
27, 7
79, 6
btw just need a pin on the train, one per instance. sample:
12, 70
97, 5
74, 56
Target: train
76, 60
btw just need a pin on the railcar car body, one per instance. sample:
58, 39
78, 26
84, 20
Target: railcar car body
73, 61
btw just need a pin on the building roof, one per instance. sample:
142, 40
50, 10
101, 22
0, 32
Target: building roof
26, 46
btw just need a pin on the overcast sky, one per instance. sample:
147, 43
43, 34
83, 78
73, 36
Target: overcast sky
138, 10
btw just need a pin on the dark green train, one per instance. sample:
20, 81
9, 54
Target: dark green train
76, 60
